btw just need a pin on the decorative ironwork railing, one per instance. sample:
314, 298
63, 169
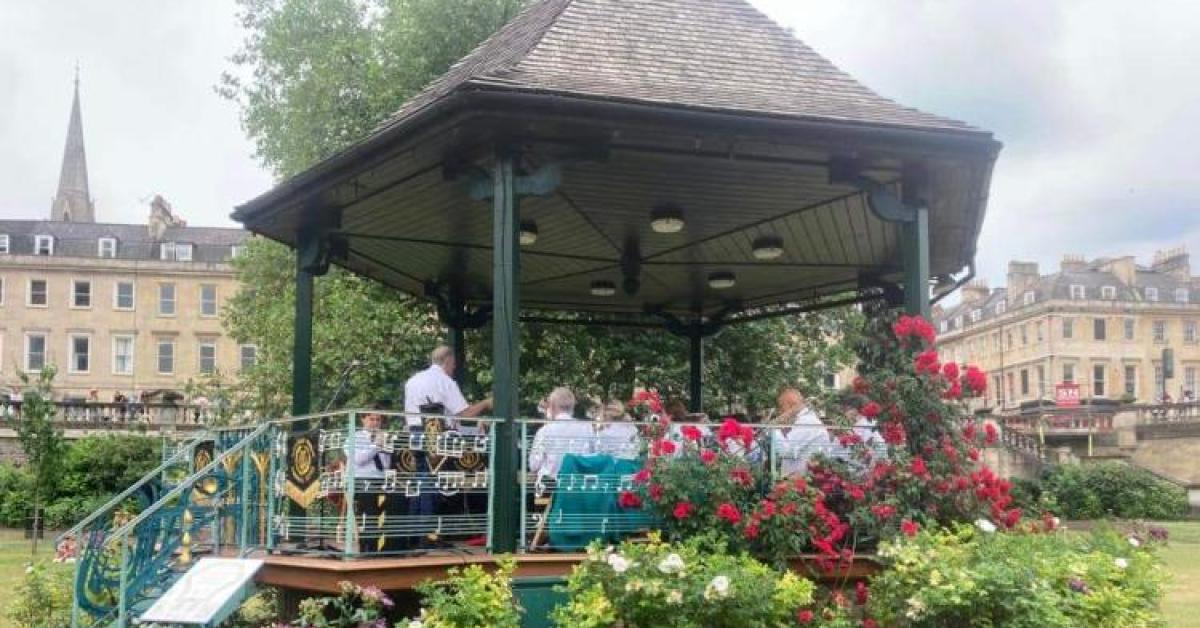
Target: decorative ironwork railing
1168, 413
130, 415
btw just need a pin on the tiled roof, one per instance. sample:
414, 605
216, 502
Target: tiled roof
81, 239
702, 54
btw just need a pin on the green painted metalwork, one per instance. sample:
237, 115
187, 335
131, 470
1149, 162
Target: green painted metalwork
916, 263
306, 252
505, 349
696, 370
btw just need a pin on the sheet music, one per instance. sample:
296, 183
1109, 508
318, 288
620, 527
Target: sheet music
450, 482
328, 440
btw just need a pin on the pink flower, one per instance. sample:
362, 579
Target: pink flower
975, 380
662, 447
883, 511
742, 476
870, 623
893, 433
870, 410
909, 527
950, 371
629, 499
910, 327
708, 456
926, 362
683, 510
918, 467
690, 432
642, 476
861, 593
804, 616
989, 433
729, 512
656, 492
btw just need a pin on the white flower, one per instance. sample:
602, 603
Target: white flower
916, 608
28, 568
985, 525
673, 563
1134, 542
1121, 563
674, 597
717, 589
416, 623
619, 563
1057, 522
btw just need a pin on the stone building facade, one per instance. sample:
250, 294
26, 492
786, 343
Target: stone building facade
115, 307
1101, 324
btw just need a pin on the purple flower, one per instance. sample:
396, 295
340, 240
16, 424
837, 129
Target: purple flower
1159, 533
1079, 586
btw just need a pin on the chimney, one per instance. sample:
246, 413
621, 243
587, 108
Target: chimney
1021, 277
1073, 264
161, 217
1123, 268
975, 291
1174, 262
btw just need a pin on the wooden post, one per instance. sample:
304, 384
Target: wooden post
505, 351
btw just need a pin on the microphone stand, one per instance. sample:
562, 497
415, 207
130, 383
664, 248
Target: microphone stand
343, 381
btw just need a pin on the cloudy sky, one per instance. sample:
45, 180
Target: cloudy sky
1097, 103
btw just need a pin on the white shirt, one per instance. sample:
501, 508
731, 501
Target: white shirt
620, 440
432, 385
793, 449
564, 435
365, 452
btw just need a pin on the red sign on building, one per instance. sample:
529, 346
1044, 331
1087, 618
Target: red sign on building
1066, 395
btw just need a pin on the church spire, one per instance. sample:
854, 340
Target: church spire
73, 201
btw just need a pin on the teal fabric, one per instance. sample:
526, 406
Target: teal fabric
578, 516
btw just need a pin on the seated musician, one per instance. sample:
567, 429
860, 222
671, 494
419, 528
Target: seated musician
616, 434
563, 435
805, 436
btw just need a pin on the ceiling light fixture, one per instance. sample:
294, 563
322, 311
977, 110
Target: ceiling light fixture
603, 288
529, 232
666, 219
721, 280
767, 247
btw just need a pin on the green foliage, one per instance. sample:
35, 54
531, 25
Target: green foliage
356, 607
967, 577
41, 442
43, 598
1112, 489
16, 495
470, 597
685, 585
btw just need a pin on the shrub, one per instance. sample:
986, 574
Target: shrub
681, 585
16, 495
1112, 489
43, 598
470, 597
108, 464
356, 607
970, 577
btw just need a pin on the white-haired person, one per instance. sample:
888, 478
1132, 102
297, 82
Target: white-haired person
616, 435
563, 435
805, 436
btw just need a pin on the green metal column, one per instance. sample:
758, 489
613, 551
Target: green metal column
916, 263
696, 374
306, 252
505, 350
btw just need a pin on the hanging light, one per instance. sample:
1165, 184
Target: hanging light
767, 247
721, 280
529, 232
666, 219
603, 288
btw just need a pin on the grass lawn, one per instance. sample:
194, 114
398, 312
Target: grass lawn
14, 554
1181, 606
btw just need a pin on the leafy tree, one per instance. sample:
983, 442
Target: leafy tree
41, 442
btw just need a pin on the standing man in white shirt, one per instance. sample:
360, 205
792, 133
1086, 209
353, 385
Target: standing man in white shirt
372, 506
563, 435
807, 435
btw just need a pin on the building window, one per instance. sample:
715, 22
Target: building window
1129, 326
1098, 380
1108, 292
1, 290
1041, 381
1131, 381
1077, 291
38, 295
1098, 330
1158, 381
43, 245
944, 326
1024, 382
248, 355
1038, 329
1010, 342
1029, 297
1068, 328
976, 315
1189, 381
996, 387
81, 353
4, 243
176, 251
235, 251
1151, 294
1189, 331
166, 357
166, 299
81, 293
958, 322
123, 295
1024, 334
108, 247
35, 352
1068, 373
1160, 331
122, 355
1181, 295
996, 341
208, 300
183, 252
208, 358
1001, 306
1009, 379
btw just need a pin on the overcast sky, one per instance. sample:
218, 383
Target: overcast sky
1096, 101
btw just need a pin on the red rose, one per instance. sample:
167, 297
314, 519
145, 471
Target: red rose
973, 454
656, 492
913, 327
975, 380
729, 512
642, 476
708, 456
870, 623
861, 593
768, 508
742, 476
804, 616
870, 410
751, 531
910, 527
989, 433
690, 432
683, 510
893, 433
918, 467
926, 362
629, 499
800, 484
861, 386
662, 447
954, 391
950, 370
969, 431
883, 511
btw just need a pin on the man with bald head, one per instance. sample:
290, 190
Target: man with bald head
805, 437
434, 387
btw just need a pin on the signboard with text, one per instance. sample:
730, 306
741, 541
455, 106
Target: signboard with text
1066, 395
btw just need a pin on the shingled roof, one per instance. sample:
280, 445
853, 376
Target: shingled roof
721, 55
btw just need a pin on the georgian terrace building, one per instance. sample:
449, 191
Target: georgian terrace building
1101, 324
115, 307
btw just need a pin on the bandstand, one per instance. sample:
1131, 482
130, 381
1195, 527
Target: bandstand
680, 164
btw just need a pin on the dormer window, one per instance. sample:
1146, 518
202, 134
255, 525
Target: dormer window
235, 251
1077, 291
1108, 292
43, 245
1151, 294
1000, 307
108, 247
1028, 298
4, 243
176, 251
1181, 295
976, 315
